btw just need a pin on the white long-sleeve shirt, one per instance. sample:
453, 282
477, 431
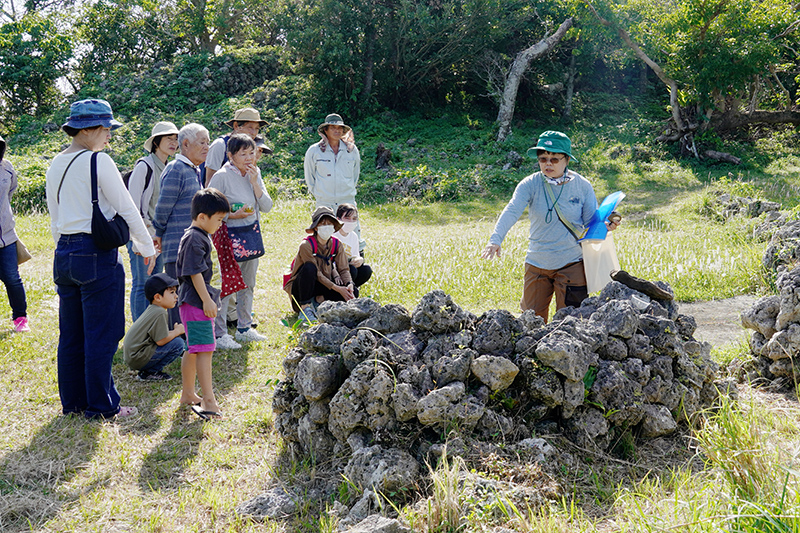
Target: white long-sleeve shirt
71, 209
332, 177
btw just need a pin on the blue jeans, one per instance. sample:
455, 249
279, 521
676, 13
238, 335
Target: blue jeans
173, 315
165, 355
138, 278
9, 275
91, 321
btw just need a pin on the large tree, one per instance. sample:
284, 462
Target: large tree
124, 35
392, 51
726, 63
517, 70
34, 53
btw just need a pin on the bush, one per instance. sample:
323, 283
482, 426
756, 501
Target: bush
187, 84
429, 184
30, 194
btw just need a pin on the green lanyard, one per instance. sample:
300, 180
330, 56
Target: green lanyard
577, 231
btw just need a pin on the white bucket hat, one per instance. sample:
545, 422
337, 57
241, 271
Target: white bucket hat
161, 128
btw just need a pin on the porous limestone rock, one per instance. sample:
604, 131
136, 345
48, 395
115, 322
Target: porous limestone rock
495, 372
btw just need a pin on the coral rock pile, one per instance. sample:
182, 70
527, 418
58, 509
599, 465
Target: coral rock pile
379, 389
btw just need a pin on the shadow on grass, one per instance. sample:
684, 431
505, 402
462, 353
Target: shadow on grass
32, 478
162, 468
145, 396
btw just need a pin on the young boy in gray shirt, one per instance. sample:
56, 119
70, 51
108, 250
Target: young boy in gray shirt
150, 345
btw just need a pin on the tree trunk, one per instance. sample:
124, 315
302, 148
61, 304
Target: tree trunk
669, 82
369, 65
722, 156
570, 88
781, 87
518, 67
733, 119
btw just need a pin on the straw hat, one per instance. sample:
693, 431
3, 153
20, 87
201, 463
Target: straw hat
161, 128
332, 120
247, 114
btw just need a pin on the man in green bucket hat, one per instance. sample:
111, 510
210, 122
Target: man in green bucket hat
560, 205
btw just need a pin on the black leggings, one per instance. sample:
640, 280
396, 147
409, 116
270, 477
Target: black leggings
306, 286
360, 275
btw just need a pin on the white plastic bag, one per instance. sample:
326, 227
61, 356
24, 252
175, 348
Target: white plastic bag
599, 260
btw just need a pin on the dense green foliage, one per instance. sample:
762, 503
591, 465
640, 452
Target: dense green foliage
421, 78
33, 54
365, 56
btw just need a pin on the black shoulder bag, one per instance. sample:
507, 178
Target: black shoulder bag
106, 234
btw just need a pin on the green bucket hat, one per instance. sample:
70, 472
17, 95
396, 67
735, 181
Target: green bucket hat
332, 120
552, 141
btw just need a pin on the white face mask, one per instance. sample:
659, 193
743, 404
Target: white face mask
347, 227
325, 232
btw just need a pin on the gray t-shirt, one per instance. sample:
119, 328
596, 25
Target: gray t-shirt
194, 257
140, 341
217, 153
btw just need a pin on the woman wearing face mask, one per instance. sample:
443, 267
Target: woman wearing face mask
320, 271
359, 271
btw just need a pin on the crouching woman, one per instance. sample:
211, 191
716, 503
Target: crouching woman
321, 270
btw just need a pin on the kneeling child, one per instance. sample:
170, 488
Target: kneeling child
150, 345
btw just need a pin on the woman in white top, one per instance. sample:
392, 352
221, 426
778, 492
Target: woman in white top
143, 185
359, 271
90, 281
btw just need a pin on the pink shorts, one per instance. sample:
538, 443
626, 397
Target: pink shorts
199, 329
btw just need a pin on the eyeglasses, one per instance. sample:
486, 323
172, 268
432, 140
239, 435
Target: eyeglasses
552, 160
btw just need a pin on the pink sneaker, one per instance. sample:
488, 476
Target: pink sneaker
21, 324
125, 412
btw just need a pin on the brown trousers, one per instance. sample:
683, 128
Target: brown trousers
568, 283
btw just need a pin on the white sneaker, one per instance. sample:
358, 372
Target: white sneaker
226, 342
250, 335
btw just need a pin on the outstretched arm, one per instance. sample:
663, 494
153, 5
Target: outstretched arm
491, 251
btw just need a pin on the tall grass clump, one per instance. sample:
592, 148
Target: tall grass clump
750, 482
701, 258
739, 441
444, 510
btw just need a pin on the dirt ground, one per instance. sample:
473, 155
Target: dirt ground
719, 321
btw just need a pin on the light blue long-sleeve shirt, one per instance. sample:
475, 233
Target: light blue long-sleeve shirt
173, 215
551, 245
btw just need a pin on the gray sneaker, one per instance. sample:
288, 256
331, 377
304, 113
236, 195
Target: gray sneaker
249, 335
153, 376
307, 315
226, 342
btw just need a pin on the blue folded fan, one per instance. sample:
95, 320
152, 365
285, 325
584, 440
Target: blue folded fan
597, 227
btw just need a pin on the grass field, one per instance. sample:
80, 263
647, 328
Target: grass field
166, 470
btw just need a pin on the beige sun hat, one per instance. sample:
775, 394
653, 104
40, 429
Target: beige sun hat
320, 213
247, 114
332, 120
161, 128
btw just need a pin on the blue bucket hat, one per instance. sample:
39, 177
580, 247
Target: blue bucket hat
554, 142
90, 113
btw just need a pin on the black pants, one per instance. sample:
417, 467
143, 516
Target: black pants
306, 286
360, 275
